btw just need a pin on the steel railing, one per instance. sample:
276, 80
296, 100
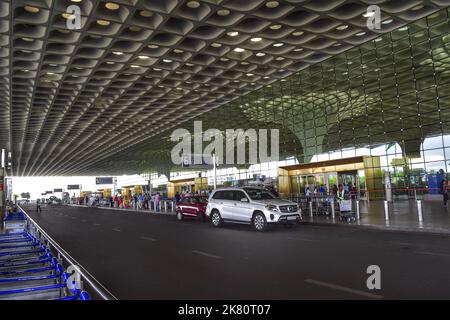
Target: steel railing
63, 256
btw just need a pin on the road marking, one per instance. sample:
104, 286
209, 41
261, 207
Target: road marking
303, 239
432, 253
84, 220
97, 224
148, 239
206, 254
117, 230
344, 289
74, 217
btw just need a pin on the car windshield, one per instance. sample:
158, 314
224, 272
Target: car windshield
259, 194
201, 200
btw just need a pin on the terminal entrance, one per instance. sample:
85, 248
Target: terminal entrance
302, 182
359, 174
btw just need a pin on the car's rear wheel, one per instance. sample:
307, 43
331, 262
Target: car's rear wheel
259, 222
216, 219
179, 215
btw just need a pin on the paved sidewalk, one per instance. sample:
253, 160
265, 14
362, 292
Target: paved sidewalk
403, 216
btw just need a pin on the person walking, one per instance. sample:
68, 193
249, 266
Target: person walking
157, 202
141, 201
38, 206
444, 191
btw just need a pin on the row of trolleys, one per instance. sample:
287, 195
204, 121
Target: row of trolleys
29, 271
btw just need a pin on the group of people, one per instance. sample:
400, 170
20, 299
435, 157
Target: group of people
138, 201
336, 190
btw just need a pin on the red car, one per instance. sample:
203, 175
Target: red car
193, 207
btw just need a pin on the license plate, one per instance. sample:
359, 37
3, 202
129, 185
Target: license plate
292, 218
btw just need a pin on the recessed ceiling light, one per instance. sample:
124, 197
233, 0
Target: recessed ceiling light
223, 12
279, 59
387, 21
260, 54
403, 28
178, 51
420, 6
117, 53
146, 13
359, 34
193, 4
257, 39
342, 27
298, 49
233, 33
103, 23
250, 74
216, 45
369, 14
278, 44
112, 6
31, 9
276, 26
167, 61
110, 62
153, 46
298, 33
224, 59
50, 73
189, 64
156, 69
239, 50
27, 39
68, 16
135, 66
272, 4
143, 57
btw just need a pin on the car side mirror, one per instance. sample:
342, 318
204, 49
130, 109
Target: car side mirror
244, 200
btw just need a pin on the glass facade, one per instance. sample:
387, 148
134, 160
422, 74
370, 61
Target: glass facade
388, 98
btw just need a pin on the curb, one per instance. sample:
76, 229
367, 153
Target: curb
441, 232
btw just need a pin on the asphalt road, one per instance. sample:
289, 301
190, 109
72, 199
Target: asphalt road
143, 256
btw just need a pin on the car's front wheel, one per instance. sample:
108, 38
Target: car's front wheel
216, 219
259, 222
179, 215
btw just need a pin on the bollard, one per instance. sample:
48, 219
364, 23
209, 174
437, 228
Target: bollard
333, 210
420, 210
386, 210
311, 209
165, 206
358, 213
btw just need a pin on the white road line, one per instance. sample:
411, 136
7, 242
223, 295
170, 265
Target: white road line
97, 224
148, 239
117, 230
303, 239
432, 253
344, 289
206, 254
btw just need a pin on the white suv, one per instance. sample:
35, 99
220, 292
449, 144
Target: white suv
250, 205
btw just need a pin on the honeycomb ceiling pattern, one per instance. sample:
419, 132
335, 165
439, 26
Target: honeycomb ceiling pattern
74, 99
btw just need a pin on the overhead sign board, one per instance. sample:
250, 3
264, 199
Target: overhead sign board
103, 180
57, 190
73, 187
48, 192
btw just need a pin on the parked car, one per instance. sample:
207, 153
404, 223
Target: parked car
193, 207
250, 205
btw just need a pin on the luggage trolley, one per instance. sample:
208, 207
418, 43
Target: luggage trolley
346, 211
